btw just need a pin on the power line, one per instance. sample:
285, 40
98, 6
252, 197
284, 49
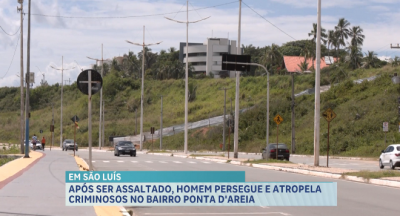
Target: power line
125, 17
269, 21
12, 59
10, 34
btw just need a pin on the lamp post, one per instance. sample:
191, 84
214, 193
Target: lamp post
22, 78
142, 94
101, 96
186, 70
62, 88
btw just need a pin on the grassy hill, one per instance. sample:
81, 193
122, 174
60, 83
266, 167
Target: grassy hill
357, 129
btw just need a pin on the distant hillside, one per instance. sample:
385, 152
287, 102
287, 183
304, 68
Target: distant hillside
357, 130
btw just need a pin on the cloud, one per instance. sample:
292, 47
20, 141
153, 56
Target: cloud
379, 8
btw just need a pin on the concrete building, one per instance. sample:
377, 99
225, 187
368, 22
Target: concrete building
206, 58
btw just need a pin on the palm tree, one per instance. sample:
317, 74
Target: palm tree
357, 38
342, 31
272, 55
370, 60
395, 61
303, 66
313, 33
332, 40
355, 56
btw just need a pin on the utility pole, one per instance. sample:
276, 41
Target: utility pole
52, 123
22, 76
186, 72
394, 47
236, 133
317, 89
27, 83
161, 121
136, 121
101, 93
103, 136
223, 134
142, 94
293, 118
62, 90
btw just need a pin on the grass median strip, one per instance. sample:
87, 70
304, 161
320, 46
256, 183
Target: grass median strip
5, 160
11, 149
374, 175
260, 161
206, 155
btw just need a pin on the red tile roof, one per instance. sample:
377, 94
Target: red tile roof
292, 63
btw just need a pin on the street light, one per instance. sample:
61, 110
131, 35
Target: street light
101, 94
259, 65
62, 88
142, 94
187, 69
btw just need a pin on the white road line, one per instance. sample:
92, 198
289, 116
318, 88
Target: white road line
120, 161
264, 206
106, 161
224, 213
205, 162
93, 161
176, 161
149, 161
192, 162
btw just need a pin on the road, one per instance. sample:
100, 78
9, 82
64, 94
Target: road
353, 198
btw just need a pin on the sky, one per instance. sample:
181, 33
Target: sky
76, 38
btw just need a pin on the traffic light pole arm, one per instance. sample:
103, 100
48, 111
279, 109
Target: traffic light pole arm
259, 65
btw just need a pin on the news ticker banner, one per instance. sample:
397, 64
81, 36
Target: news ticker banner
190, 188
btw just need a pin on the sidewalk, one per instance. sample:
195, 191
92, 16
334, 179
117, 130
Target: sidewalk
40, 189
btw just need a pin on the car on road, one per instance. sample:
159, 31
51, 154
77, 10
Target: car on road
38, 145
124, 148
69, 144
270, 152
390, 157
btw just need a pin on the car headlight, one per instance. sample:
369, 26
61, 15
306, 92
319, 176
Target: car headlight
119, 148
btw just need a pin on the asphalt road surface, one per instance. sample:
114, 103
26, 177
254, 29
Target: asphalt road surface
353, 198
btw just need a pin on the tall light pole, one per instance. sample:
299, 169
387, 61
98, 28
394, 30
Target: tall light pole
62, 89
224, 125
161, 121
142, 94
22, 77
317, 90
187, 70
101, 94
236, 134
27, 80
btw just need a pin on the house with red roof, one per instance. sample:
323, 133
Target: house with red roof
292, 63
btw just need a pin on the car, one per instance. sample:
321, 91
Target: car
124, 148
270, 152
38, 145
390, 157
69, 144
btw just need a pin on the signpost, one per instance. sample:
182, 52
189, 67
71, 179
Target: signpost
75, 120
41, 131
51, 130
385, 129
152, 132
278, 119
329, 115
89, 82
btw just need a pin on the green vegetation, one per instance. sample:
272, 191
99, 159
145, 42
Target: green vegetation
260, 161
374, 175
207, 155
5, 160
10, 149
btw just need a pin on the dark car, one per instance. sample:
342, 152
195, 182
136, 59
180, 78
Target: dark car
125, 148
270, 152
68, 144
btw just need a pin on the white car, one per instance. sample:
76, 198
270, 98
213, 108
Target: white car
38, 145
390, 157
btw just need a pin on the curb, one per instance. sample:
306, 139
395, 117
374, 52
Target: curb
335, 157
379, 182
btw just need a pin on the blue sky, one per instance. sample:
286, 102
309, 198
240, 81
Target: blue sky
77, 38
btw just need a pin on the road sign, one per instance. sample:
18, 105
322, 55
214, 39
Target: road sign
152, 130
75, 119
236, 59
385, 126
51, 128
41, 131
278, 119
329, 115
399, 126
83, 79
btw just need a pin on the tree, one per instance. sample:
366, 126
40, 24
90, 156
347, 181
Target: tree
395, 61
355, 56
313, 33
342, 31
357, 38
272, 56
332, 40
370, 60
303, 66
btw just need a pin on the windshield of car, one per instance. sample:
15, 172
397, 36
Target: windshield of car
125, 144
69, 141
398, 148
280, 146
